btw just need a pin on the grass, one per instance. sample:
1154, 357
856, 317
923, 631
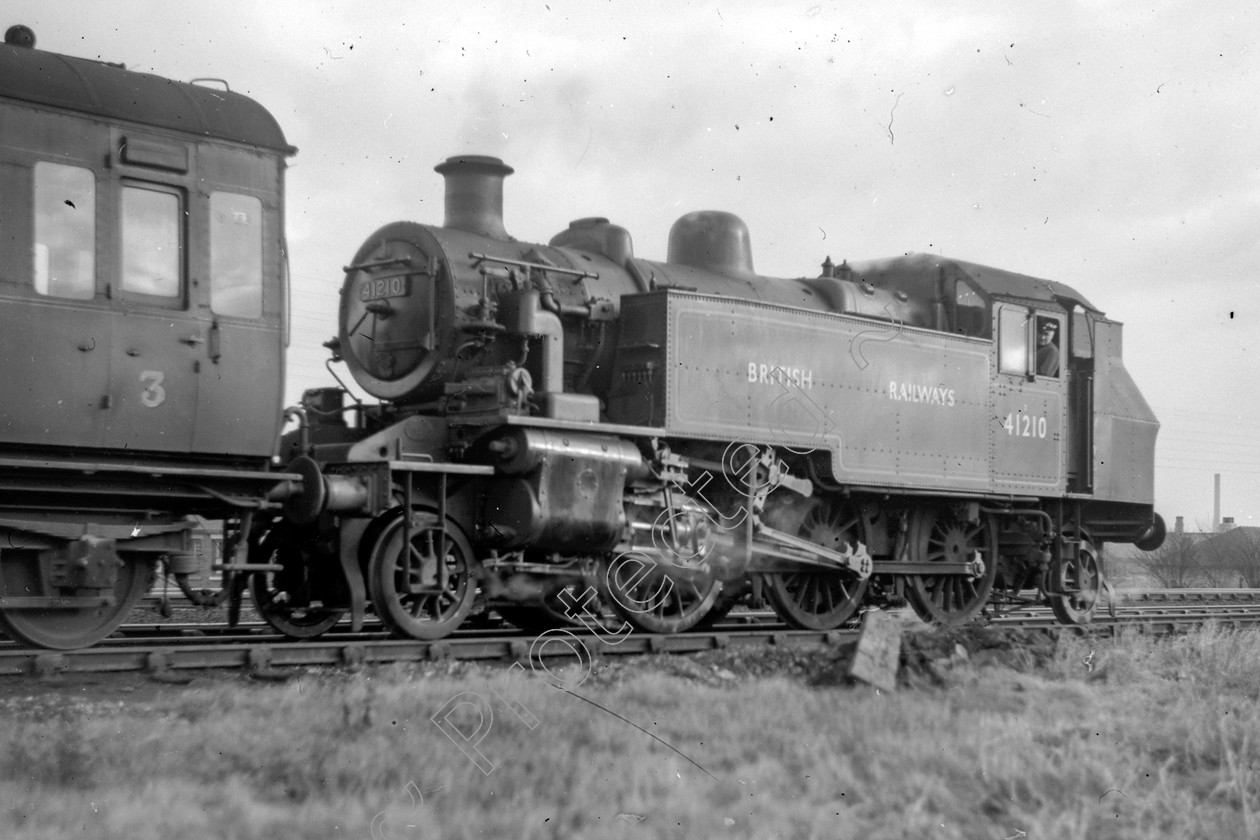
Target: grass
1136, 738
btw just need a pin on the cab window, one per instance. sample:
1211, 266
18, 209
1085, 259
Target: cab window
65, 231
1048, 346
1082, 335
235, 255
1013, 341
152, 245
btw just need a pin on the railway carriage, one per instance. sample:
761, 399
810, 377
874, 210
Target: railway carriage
142, 314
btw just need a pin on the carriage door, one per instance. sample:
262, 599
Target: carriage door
242, 375
54, 315
1080, 365
155, 361
240, 293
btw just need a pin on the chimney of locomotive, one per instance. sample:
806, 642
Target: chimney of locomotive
474, 194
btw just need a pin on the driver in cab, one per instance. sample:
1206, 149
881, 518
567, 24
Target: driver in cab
1047, 347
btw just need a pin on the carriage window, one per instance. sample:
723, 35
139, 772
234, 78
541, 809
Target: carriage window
235, 255
151, 242
65, 231
1013, 341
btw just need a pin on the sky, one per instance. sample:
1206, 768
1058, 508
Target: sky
1110, 146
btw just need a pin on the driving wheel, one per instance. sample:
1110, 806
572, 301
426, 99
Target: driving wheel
821, 599
940, 534
652, 598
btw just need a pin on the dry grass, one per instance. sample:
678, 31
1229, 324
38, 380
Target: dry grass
1137, 738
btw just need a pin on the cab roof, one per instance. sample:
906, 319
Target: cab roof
915, 269
112, 92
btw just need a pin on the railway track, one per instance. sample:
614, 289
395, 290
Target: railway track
1193, 595
259, 651
253, 631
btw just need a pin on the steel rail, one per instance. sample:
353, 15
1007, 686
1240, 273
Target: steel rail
347, 650
360, 652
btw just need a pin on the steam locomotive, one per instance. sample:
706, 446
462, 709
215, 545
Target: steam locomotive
553, 425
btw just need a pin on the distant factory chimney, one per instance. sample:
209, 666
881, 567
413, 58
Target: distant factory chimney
474, 194
1216, 503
